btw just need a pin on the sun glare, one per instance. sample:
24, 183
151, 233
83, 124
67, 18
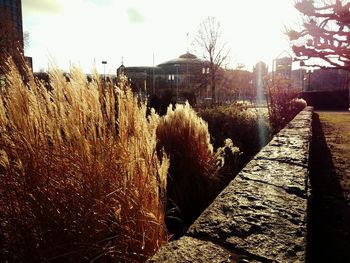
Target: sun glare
253, 31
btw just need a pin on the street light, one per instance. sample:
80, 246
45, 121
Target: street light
104, 62
177, 81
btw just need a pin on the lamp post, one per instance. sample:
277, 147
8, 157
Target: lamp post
177, 81
104, 62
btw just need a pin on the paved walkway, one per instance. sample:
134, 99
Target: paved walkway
329, 207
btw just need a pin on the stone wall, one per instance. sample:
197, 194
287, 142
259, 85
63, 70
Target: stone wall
261, 215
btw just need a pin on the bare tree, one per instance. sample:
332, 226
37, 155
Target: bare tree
208, 38
325, 33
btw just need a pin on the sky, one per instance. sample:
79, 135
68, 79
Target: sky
143, 33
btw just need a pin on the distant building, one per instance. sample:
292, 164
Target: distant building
326, 80
283, 67
327, 89
237, 84
181, 75
11, 19
11, 30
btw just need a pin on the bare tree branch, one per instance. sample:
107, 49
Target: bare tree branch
326, 32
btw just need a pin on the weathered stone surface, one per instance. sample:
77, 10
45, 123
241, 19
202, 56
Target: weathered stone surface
261, 215
188, 249
256, 219
287, 149
290, 177
291, 145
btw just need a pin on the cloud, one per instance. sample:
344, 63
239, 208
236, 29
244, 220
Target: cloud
42, 6
134, 15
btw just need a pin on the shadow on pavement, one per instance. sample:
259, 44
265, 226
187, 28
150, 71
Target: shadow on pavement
328, 212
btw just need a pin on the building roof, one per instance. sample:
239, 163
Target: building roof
186, 58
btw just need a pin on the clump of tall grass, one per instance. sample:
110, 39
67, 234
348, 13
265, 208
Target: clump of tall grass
228, 160
193, 180
248, 128
80, 176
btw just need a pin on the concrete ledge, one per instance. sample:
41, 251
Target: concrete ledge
261, 215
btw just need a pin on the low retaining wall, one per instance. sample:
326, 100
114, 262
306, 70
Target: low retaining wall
261, 215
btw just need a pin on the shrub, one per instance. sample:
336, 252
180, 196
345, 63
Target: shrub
247, 128
74, 185
193, 180
283, 103
298, 104
160, 102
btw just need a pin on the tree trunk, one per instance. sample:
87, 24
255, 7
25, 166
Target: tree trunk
213, 88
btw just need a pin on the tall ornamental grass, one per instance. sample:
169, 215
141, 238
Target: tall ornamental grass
80, 179
194, 179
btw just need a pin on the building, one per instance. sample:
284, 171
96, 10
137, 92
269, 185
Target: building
11, 32
181, 76
283, 67
11, 24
